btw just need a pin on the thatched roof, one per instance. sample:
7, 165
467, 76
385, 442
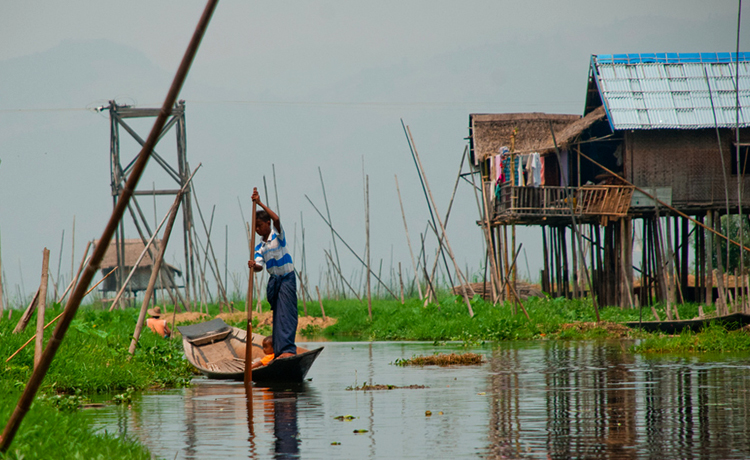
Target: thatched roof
573, 130
133, 249
492, 131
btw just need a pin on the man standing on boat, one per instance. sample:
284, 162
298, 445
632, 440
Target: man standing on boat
281, 292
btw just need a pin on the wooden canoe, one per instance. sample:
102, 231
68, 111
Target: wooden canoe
218, 351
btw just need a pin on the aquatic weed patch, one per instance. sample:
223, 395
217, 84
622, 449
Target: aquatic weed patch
442, 359
377, 386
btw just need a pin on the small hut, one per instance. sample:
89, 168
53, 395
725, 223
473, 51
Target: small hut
132, 249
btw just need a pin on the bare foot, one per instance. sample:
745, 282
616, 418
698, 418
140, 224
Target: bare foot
286, 355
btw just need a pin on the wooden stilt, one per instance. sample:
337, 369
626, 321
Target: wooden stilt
40, 309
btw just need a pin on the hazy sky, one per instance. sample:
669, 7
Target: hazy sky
297, 85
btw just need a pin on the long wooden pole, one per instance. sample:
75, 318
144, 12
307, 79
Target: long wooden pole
27, 397
41, 307
367, 239
73, 281
461, 278
249, 312
408, 240
575, 224
364, 264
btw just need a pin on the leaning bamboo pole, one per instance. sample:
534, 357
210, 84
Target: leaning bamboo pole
40, 371
74, 279
364, 264
408, 240
41, 308
461, 278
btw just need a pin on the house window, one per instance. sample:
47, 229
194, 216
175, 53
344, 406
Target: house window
744, 166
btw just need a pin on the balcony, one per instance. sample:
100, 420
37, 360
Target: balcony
530, 205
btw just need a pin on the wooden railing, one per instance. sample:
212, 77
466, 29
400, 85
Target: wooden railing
588, 200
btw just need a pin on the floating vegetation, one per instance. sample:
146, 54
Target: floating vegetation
345, 418
442, 359
377, 386
335, 443
361, 431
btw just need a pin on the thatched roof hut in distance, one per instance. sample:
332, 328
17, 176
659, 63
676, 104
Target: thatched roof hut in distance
489, 132
139, 280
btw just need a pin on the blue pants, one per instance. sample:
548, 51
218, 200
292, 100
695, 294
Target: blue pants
282, 295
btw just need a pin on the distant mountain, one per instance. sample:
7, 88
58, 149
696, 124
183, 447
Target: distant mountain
76, 74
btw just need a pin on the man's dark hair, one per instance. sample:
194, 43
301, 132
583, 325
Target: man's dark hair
261, 214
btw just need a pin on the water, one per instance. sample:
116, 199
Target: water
539, 400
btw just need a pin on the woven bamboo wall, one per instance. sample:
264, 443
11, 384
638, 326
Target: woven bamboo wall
686, 160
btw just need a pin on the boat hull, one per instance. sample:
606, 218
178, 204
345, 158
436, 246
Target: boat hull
218, 351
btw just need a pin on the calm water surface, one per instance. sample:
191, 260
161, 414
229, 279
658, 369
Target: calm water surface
529, 400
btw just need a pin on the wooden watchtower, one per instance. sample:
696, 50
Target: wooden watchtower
177, 169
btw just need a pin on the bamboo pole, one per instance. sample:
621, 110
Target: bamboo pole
57, 317
156, 270
367, 237
333, 238
440, 237
38, 374
24, 320
322, 310
341, 275
423, 181
408, 240
364, 264
401, 283
249, 314
74, 280
461, 279
41, 308
575, 223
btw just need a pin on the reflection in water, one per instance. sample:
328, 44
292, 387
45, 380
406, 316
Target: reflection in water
281, 406
551, 400
599, 401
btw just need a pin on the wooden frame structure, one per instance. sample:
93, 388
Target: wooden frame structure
179, 173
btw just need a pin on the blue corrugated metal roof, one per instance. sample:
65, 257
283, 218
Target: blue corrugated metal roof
673, 90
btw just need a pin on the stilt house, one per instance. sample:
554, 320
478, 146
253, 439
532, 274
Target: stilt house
660, 153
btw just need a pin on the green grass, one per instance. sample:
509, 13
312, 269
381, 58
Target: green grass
713, 339
92, 359
47, 432
559, 319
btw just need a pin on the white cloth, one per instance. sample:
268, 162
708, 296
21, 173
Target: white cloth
534, 166
521, 182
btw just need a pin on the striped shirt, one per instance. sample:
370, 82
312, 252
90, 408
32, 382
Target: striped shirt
272, 253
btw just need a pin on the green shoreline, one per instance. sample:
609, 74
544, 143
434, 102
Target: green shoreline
93, 358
